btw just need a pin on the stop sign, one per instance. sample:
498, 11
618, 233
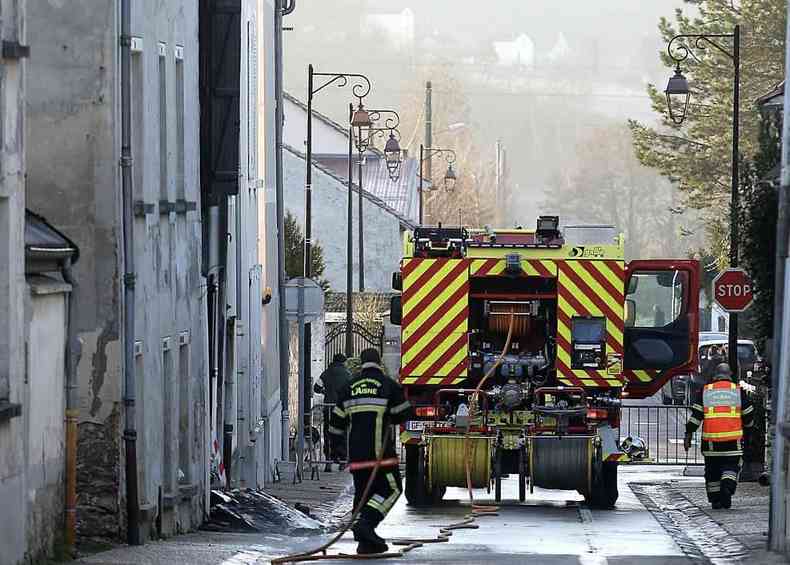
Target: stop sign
732, 290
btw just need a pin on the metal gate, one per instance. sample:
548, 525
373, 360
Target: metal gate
362, 338
662, 428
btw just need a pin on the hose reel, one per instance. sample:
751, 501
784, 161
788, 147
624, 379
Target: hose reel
446, 464
561, 462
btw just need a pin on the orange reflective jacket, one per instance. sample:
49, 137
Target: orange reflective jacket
722, 403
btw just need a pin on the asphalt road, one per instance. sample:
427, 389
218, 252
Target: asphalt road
550, 527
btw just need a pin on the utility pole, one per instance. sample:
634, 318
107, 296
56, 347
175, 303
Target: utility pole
350, 240
498, 183
360, 227
780, 360
428, 129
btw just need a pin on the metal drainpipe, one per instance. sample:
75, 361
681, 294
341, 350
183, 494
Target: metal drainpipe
282, 321
130, 431
73, 351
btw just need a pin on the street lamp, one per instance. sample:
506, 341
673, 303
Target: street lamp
678, 95
449, 176
394, 156
364, 129
677, 89
360, 88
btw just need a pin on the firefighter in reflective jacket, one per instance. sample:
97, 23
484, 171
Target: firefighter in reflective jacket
367, 406
724, 410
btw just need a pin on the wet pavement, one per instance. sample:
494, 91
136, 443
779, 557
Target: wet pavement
550, 527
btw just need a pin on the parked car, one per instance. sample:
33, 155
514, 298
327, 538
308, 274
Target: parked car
682, 388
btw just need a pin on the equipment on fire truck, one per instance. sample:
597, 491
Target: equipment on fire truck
554, 315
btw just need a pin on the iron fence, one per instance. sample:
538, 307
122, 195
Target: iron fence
662, 429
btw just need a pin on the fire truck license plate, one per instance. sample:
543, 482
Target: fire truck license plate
415, 425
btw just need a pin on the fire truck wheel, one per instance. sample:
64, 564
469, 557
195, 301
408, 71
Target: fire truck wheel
416, 490
604, 493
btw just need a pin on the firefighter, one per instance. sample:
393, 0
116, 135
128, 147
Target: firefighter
333, 380
369, 405
724, 410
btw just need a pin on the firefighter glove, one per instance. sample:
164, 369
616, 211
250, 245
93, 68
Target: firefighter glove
687, 442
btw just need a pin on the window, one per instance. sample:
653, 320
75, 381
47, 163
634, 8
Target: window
180, 101
163, 157
655, 299
138, 124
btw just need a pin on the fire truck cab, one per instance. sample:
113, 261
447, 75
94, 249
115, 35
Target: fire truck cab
587, 328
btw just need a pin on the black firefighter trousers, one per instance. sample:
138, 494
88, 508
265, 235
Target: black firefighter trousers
383, 495
721, 477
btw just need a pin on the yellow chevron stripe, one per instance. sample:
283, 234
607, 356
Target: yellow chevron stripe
550, 265
432, 283
440, 350
409, 380
610, 275
429, 310
498, 269
459, 381
412, 277
477, 264
529, 269
600, 291
438, 328
564, 331
616, 334
642, 375
435, 381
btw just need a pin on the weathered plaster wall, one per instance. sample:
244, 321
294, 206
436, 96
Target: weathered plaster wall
12, 284
72, 181
75, 127
45, 430
382, 228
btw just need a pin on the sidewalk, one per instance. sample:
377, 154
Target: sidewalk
327, 498
746, 521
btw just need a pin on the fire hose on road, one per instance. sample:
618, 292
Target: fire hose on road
408, 544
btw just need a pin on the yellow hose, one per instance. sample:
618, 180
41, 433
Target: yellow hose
409, 543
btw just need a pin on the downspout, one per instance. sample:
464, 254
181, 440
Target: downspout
73, 351
130, 432
281, 8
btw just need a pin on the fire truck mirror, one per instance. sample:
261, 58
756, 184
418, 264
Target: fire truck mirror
397, 281
633, 284
630, 313
396, 312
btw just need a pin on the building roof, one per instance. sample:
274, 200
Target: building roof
44, 242
405, 221
774, 98
400, 195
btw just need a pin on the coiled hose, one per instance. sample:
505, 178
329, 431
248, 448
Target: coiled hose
408, 544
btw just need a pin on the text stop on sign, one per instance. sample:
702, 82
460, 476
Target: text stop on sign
733, 290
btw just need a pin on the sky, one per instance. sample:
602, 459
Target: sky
539, 111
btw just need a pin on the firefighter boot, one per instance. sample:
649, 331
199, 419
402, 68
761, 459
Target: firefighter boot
369, 540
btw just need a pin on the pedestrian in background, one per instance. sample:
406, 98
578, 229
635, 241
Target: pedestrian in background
367, 408
724, 410
333, 379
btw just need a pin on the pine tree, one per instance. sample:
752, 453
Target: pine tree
697, 154
294, 253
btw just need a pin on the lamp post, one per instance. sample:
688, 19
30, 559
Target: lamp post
363, 137
678, 95
360, 88
449, 176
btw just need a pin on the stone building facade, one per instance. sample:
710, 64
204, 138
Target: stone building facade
74, 180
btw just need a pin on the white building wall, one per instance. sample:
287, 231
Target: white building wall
271, 407
12, 218
74, 111
45, 405
383, 243
326, 139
